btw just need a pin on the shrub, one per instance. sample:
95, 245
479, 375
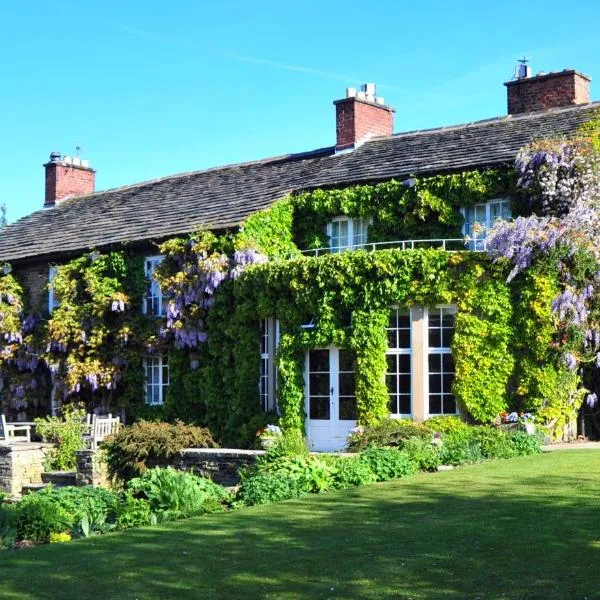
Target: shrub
174, 494
350, 472
264, 488
291, 443
493, 442
524, 444
387, 433
423, 453
36, 517
133, 512
460, 448
67, 435
388, 463
446, 424
7, 530
311, 473
148, 444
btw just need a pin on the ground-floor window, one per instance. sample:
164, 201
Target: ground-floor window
157, 378
399, 363
269, 340
440, 361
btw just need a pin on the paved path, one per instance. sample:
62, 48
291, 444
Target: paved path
572, 446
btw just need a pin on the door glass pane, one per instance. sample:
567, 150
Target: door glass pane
348, 409
319, 361
346, 361
319, 408
319, 384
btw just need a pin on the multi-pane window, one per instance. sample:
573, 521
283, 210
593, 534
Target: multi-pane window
398, 377
480, 218
153, 301
269, 340
345, 233
53, 300
440, 361
157, 378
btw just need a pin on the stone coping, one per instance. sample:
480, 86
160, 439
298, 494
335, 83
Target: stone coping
7, 447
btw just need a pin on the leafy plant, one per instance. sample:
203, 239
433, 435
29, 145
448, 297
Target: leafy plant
66, 433
389, 463
493, 442
525, 444
146, 444
387, 433
175, 494
422, 452
460, 448
350, 472
311, 473
36, 517
446, 424
133, 512
264, 488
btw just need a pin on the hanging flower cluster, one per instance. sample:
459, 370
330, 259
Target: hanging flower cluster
192, 272
558, 174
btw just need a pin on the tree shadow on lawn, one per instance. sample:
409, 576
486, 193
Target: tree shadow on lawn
408, 539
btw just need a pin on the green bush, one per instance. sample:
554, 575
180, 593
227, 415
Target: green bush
147, 444
524, 444
66, 433
446, 424
36, 516
264, 488
493, 442
460, 448
423, 453
291, 443
350, 472
175, 494
387, 433
7, 529
133, 512
311, 473
388, 463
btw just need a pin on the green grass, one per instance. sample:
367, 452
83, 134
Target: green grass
522, 528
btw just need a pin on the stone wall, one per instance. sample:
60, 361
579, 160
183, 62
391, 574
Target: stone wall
21, 464
91, 468
222, 465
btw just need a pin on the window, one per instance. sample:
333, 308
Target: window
157, 379
440, 331
153, 301
269, 340
345, 233
53, 301
399, 362
480, 218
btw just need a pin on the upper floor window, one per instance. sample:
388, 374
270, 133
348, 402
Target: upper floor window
153, 301
481, 217
157, 379
346, 233
53, 300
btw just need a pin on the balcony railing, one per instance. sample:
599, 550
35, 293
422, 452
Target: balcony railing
448, 245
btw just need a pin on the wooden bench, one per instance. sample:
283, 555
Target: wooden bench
8, 430
100, 428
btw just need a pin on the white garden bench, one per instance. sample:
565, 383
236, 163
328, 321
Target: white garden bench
8, 430
100, 427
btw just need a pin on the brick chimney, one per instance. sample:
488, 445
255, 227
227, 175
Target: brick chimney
66, 177
546, 90
361, 115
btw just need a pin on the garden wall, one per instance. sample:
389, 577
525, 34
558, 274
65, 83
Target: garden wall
21, 464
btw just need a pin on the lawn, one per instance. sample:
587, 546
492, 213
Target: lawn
522, 528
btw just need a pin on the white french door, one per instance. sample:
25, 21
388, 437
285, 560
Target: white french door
330, 398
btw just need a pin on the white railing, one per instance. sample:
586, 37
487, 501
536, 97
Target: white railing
448, 245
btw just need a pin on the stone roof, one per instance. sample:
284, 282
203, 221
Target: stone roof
223, 197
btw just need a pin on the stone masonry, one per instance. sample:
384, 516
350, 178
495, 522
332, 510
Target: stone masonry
91, 468
21, 464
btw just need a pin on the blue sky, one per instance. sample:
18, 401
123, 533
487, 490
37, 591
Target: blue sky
149, 88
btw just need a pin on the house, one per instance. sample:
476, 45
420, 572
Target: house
354, 316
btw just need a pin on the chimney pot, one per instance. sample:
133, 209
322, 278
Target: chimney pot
67, 177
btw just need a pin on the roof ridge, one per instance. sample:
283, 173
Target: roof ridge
282, 158
499, 119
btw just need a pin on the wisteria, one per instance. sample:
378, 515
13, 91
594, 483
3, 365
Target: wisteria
557, 175
189, 280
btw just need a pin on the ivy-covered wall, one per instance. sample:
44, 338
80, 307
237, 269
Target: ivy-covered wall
219, 287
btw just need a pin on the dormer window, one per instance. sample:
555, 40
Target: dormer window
346, 233
481, 217
153, 301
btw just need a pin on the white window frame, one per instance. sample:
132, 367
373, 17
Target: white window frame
435, 350
153, 288
405, 352
268, 380
352, 224
159, 363
477, 240
53, 301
